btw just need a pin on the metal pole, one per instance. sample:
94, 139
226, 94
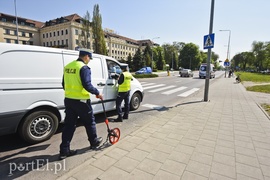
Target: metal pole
228, 48
189, 62
206, 89
16, 22
172, 61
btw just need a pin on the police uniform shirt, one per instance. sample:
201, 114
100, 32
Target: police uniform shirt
85, 74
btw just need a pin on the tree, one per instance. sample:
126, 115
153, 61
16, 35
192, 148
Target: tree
84, 36
129, 62
98, 34
258, 49
147, 55
138, 60
190, 56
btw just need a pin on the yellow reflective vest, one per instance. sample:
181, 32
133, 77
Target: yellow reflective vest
73, 84
125, 86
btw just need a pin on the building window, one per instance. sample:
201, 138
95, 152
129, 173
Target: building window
66, 31
67, 42
54, 43
7, 31
8, 41
62, 42
16, 41
47, 44
76, 32
62, 32
54, 33
4, 20
30, 34
77, 41
24, 42
50, 34
43, 43
51, 43
23, 34
31, 42
43, 35
58, 42
58, 33
23, 23
47, 35
15, 32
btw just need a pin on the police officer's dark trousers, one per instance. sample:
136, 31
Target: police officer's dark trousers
120, 97
75, 109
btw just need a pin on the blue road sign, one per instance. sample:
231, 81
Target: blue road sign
208, 41
226, 63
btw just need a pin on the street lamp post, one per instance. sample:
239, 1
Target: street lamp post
189, 62
152, 52
228, 50
16, 22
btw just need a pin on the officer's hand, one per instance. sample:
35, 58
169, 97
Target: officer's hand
100, 96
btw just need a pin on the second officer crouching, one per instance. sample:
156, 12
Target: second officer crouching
123, 94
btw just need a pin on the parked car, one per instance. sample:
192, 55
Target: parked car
144, 70
186, 73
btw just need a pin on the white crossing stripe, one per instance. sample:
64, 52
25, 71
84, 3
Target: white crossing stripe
163, 88
187, 93
149, 87
148, 84
151, 106
174, 90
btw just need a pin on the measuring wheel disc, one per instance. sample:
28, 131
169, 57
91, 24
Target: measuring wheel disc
114, 135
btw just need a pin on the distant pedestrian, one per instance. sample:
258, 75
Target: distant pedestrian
77, 85
124, 82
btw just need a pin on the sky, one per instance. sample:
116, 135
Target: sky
185, 21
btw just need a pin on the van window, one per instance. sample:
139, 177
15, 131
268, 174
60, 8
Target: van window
113, 67
203, 68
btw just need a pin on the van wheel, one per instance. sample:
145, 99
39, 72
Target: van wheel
38, 126
135, 101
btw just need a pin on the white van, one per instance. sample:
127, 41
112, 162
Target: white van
31, 93
202, 71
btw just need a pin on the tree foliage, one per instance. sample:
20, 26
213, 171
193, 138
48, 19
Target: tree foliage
98, 34
138, 60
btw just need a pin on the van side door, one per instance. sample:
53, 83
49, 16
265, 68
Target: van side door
113, 71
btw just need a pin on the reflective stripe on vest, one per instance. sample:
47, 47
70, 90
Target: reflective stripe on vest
73, 83
125, 86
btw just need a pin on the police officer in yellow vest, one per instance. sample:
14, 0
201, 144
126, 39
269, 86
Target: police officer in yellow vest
123, 94
77, 85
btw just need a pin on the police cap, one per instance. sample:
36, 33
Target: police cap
84, 52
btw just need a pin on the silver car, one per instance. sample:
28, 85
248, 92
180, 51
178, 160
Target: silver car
186, 73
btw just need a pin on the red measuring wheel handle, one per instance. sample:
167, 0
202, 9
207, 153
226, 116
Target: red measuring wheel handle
114, 135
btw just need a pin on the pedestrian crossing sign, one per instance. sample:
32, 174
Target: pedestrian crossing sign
208, 41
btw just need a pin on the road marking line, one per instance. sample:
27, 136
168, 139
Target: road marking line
160, 89
174, 90
152, 106
187, 93
149, 87
148, 84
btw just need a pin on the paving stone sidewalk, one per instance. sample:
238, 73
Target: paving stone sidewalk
227, 137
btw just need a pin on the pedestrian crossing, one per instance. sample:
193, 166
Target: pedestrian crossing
168, 90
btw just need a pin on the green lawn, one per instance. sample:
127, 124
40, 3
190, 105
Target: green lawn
257, 78
254, 77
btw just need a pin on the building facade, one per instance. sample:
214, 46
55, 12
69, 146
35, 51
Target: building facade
65, 32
